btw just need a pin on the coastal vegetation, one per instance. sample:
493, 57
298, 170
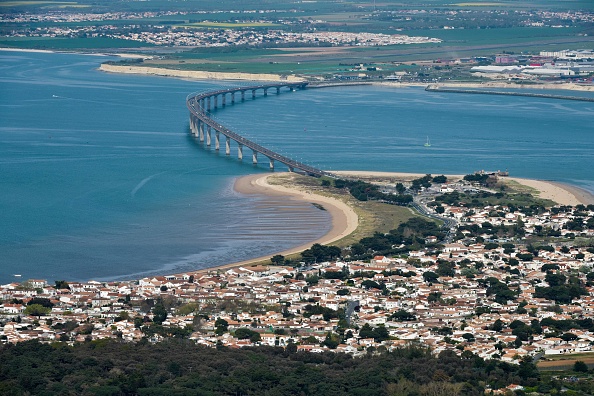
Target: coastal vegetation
374, 216
179, 367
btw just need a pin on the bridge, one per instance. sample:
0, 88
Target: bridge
202, 125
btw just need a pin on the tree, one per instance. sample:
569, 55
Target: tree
434, 297
469, 337
568, 337
430, 276
159, 312
402, 315
278, 259
440, 179
37, 310
244, 333
62, 284
400, 189
580, 367
497, 325
44, 302
445, 268
331, 341
221, 326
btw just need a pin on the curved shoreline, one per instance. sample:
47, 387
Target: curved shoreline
559, 192
343, 217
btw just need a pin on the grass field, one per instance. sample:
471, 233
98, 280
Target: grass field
373, 216
228, 25
565, 362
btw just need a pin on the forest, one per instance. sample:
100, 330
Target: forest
180, 367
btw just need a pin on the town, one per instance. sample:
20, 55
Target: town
491, 292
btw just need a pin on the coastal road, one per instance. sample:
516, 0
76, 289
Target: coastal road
448, 223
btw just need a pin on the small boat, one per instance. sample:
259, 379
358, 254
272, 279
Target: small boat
17, 275
55, 96
428, 143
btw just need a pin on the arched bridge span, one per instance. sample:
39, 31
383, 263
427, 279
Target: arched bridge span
202, 125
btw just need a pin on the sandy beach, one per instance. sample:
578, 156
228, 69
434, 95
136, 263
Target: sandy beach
344, 218
561, 193
196, 75
211, 75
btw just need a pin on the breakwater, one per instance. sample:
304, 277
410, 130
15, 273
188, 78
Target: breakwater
432, 88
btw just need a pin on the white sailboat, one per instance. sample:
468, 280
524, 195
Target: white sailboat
428, 143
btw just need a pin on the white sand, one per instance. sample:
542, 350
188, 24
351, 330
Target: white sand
197, 75
344, 218
560, 193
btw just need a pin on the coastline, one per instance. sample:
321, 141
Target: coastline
343, 217
195, 75
495, 84
210, 75
561, 193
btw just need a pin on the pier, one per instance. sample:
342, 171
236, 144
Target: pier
202, 125
436, 88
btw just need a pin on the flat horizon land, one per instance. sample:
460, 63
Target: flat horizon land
481, 34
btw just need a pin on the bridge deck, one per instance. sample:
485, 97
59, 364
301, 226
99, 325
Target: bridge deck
193, 104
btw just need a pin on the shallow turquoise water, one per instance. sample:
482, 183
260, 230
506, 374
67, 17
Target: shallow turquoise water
100, 178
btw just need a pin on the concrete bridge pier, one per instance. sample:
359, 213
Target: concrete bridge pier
277, 90
240, 151
208, 104
217, 140
227, 145
254, 157
242, 96
215, 98
192, 125
224, 100
265, 91
271, 163
201, 131
197, 125
253, 94
291, 169
208, 136
232, 97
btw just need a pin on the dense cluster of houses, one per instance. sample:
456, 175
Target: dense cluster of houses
346, 306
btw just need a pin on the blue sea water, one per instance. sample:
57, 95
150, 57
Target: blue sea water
99, 177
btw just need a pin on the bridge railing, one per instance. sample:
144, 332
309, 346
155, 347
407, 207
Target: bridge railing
192, 102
